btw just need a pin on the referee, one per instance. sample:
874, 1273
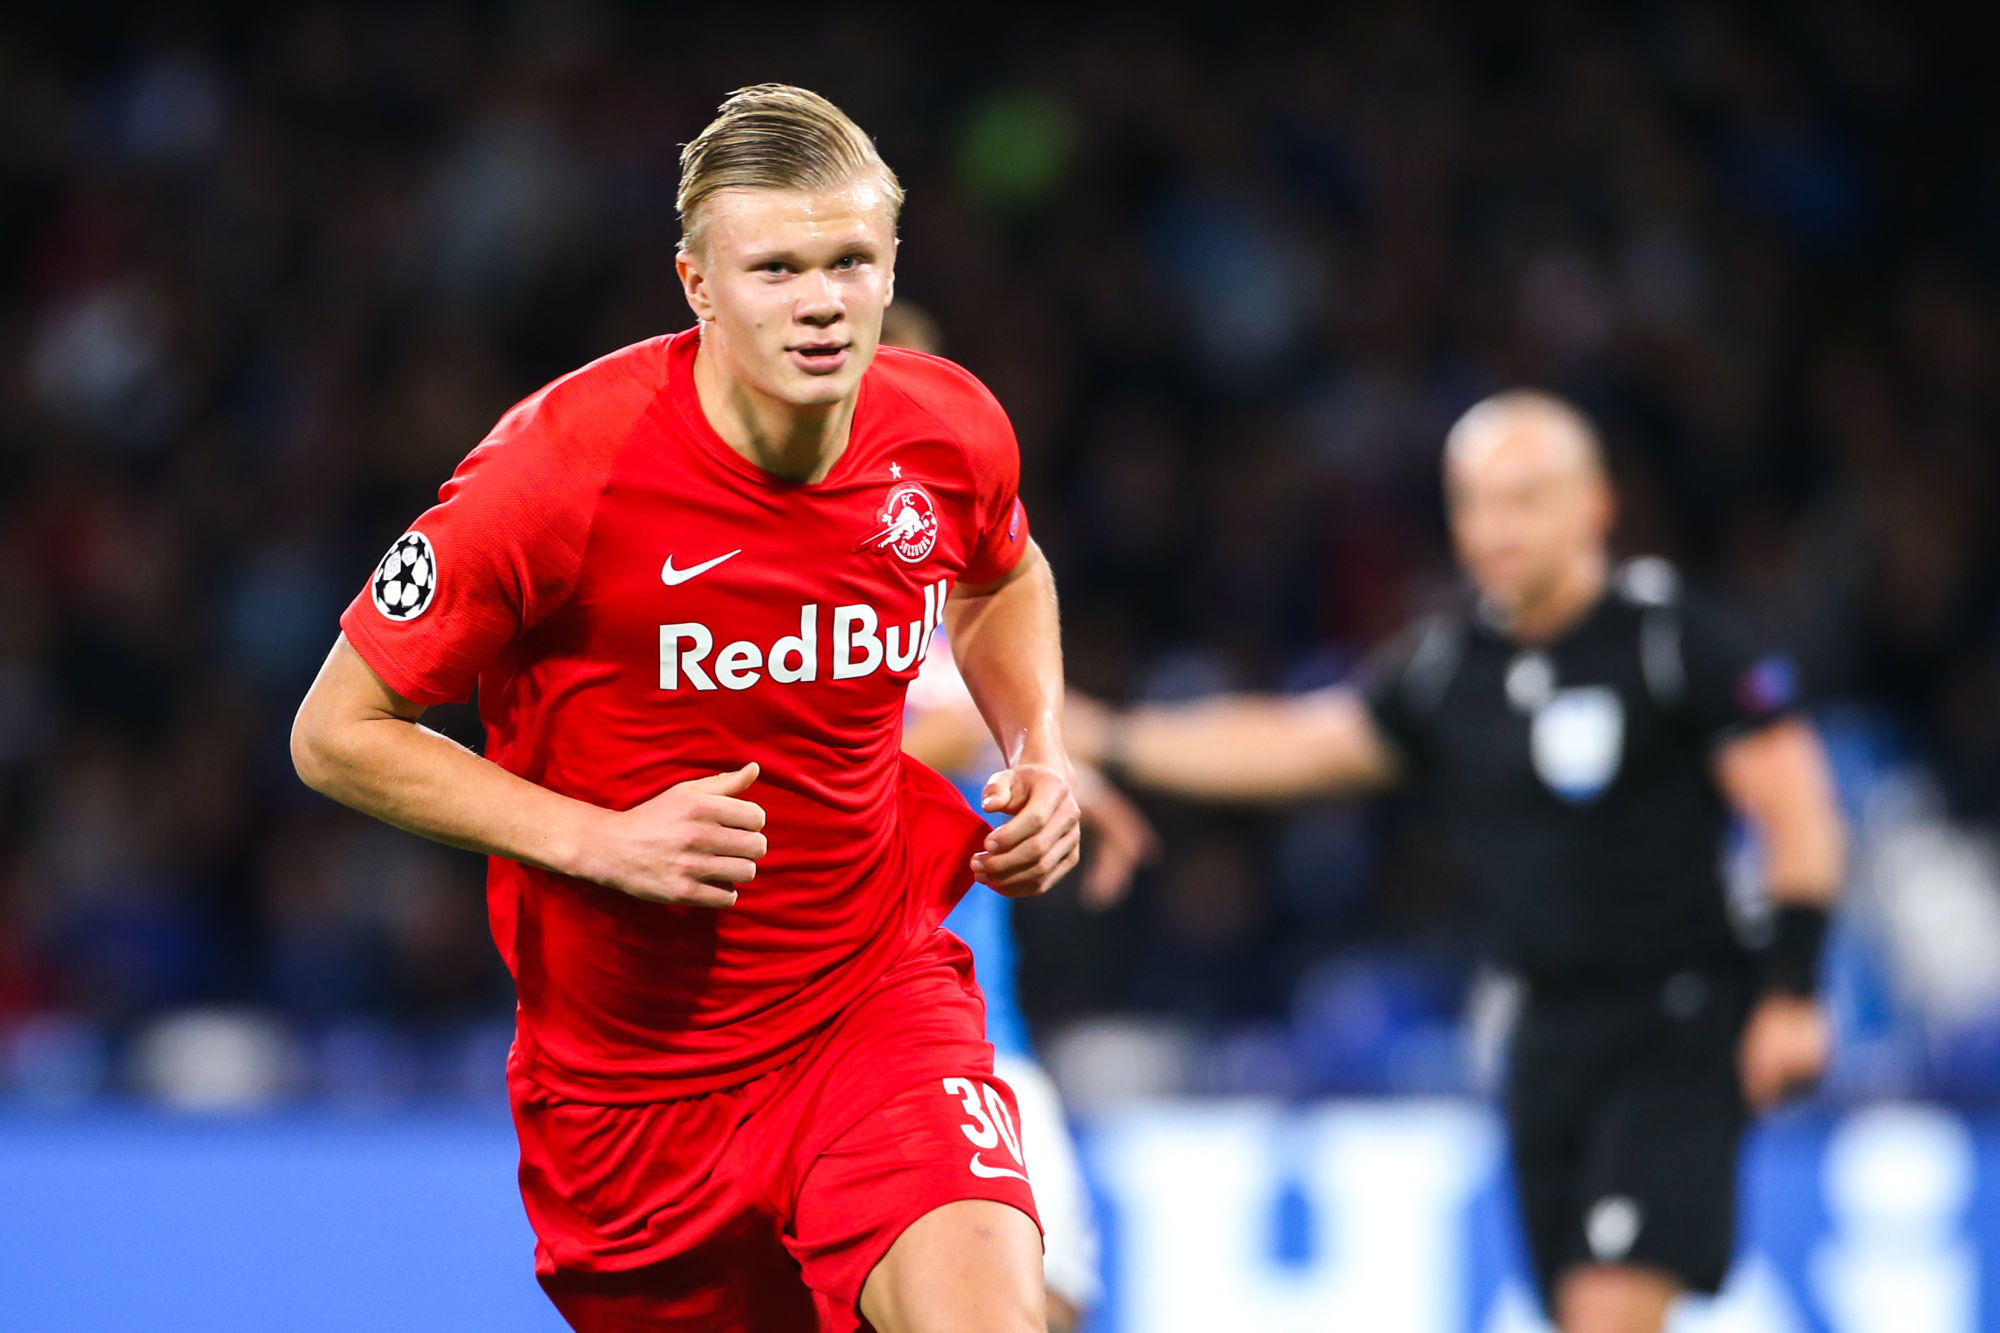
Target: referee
1586, 733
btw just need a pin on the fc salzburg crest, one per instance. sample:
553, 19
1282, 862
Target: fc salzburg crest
909, 524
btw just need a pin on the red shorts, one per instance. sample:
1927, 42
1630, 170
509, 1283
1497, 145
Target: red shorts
763, 1208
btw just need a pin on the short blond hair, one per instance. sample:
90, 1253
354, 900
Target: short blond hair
773, 136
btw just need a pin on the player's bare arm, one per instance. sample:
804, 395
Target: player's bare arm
1240, 748
359, 742
1779, 781
1009, 650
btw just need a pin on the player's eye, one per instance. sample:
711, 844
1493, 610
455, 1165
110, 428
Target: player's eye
847, 263
775, 267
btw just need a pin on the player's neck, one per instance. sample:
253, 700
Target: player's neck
793, 443
1563, 604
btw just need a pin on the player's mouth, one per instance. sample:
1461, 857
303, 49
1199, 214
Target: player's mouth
819, 358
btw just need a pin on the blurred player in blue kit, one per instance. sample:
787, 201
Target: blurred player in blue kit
943, 728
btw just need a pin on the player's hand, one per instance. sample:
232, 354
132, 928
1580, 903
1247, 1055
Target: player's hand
1785, 1049
1122, 839
686, 845
1027, 855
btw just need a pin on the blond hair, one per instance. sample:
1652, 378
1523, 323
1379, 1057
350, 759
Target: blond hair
772, 136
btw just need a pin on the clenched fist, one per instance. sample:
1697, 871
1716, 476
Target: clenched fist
1785, 1049
1026, 855
686, 845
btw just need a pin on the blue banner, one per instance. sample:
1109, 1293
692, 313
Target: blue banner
1388, 1216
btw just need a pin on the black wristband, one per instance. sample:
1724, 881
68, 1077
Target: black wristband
1791, 960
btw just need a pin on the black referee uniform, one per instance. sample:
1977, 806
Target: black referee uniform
1575, 781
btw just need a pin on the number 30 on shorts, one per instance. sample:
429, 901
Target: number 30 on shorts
991, 1124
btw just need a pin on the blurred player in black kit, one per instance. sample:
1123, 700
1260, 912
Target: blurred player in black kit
1587, 732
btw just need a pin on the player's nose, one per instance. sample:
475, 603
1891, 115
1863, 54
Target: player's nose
819, 302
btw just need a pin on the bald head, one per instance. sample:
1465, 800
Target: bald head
1531, 505
1526, 421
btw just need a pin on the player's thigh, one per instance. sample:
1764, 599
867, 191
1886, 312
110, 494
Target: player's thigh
891, 1183
1602, 1298
1550, 1067
973, 1266
1656, 1185
1069, 1225
644, 1218
733, 1284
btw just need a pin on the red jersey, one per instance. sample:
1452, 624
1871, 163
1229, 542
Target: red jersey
641, 605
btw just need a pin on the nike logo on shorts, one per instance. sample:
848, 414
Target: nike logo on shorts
673, 578
986, 1172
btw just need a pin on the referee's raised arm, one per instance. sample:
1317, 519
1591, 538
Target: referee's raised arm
1239, 748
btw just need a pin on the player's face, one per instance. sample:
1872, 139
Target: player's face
1523, 511
791, 285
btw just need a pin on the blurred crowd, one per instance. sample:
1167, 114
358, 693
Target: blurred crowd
270, 273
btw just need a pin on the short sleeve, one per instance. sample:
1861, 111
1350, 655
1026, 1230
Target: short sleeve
496, 554
1391, 683
1000, 524
1733, 685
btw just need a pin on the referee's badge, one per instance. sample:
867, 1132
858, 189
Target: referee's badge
1578, 741
1612, 1227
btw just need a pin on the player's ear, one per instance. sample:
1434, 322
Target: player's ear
694, 283
1606, 505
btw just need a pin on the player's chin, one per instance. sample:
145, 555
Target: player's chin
806, 389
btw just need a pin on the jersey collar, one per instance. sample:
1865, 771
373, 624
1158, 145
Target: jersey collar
1487, 621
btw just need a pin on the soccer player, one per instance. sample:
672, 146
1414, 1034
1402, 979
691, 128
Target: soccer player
692, 581
1586, 733
943, 729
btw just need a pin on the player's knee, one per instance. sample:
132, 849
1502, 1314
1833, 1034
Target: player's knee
961, 1312
1026, 1313
967, 1267
1614, 1300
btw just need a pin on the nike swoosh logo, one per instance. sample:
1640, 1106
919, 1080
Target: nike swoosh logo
673, 578
980, 1169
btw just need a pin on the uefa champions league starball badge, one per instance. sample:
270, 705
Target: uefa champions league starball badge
406, 580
